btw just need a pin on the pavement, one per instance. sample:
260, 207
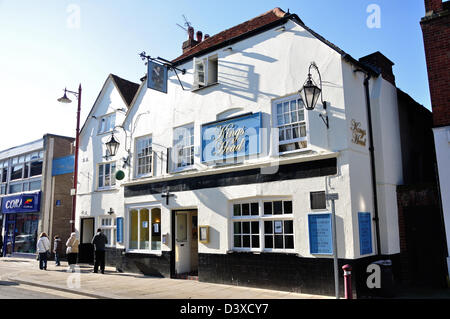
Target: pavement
114, 285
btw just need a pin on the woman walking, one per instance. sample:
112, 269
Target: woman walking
43, 245
72, 251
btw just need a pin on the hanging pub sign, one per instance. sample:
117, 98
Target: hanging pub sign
156, 76
234, 137
23, 203
320, 234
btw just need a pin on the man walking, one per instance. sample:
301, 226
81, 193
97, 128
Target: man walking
99, 242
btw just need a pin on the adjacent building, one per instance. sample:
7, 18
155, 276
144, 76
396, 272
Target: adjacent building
222, 173
35, 194
436, 37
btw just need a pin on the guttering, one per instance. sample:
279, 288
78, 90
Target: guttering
372, 158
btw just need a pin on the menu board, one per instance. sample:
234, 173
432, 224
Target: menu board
365, 233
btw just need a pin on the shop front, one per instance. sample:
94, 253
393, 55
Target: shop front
21, 215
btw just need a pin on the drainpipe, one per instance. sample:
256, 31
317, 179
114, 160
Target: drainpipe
372, 158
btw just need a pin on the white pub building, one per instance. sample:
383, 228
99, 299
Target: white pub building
222, 172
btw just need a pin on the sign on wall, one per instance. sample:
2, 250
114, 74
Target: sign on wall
358, 134
157, 76
239, 136
365, 233
63, 165
23, 203
119, 229
320, 234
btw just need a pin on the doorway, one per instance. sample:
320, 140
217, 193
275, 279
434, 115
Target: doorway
86, 248
185, 239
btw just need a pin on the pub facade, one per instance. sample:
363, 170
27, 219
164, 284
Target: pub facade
222, 174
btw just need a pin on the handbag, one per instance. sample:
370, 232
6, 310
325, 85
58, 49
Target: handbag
68, 250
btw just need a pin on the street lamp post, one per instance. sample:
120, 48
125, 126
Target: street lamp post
65, 99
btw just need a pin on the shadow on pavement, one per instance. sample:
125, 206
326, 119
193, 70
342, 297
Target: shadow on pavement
8, 283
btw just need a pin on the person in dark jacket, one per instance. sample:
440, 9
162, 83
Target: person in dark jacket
57, 249
99, 242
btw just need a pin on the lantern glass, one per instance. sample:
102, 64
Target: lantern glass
311, 94
112, 145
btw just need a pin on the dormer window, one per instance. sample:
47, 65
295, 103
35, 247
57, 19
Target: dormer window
205, 71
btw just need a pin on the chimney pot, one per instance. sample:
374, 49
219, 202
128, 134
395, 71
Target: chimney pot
199, 36
433, 5
206, 36
191, 33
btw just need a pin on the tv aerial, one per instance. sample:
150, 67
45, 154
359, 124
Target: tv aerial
187, 24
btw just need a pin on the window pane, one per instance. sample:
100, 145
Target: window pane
318, 200
35, 185
293, 105
268, 229
144, 229
278, 241
287, 207
288, 227
156, 229
289, 242
277, 208
255, 208
246, 241
245, 209
237, 228
255, 227
16, 188
133, 244
268, 241
16, 172
255, 241
100, 175
267, 208
237, 241
285, 107
181, 227
36, 168
246, 227
236, 210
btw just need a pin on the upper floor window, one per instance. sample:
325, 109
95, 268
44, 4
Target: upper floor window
205, 71
144, 156
183, 146
3, 171
289, 116
107, 123
106, 174
25, 166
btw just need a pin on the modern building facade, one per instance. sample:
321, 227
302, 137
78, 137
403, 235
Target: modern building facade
436, 36
222, 173
35, 192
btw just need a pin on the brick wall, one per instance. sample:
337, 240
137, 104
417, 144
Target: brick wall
436, 36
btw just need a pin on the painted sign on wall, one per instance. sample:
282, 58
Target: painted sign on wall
365, 233
231, 138
23, 203
358, 134
320, 234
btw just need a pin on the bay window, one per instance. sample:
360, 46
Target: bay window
290, 119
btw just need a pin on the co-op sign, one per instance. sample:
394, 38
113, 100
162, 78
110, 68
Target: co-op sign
23, 203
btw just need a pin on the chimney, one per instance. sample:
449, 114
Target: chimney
382, 63
190, 43
433, 6
199, 36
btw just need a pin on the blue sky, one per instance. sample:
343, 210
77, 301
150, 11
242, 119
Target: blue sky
48, 45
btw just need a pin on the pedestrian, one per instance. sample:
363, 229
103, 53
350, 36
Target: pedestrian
57, 249
99, 242
72, 251
43, 247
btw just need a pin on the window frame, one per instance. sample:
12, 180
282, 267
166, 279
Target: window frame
276, 126
126, 228
173, 164
205, 62
136, 161
100, 122
112, 227
112, 176
261, 218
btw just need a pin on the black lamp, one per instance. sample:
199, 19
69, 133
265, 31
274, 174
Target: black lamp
310, 93
112, 145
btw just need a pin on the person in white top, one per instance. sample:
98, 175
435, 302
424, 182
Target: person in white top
43, 245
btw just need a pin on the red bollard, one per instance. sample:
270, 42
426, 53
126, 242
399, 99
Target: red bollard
348, 281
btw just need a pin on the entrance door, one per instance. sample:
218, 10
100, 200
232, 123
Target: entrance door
10, 228
86, 249
186, 249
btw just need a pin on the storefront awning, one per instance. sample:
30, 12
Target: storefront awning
22, 203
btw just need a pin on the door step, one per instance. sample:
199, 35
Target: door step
187, 276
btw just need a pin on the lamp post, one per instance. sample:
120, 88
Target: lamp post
65, 99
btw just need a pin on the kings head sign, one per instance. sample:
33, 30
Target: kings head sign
235, 137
